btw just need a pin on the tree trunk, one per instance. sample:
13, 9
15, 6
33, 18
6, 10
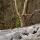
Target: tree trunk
25, 20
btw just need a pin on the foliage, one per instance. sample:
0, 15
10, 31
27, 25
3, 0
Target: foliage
17, 22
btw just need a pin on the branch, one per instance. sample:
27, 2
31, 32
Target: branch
25, 3
16, 8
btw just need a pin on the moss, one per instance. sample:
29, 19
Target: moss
17, 22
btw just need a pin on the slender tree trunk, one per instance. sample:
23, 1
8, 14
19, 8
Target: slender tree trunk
30, 13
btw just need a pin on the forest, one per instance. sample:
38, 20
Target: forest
19, 13
19, 19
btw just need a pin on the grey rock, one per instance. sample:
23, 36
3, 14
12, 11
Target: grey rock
17, 35
25, 33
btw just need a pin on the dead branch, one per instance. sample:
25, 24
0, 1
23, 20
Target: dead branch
25, 3
16, 8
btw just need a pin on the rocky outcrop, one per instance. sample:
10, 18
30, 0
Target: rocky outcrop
25, 33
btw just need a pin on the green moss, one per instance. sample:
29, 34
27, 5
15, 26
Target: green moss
17, 22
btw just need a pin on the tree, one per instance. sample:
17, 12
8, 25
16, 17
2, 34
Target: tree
28, 15
22, 16
28, 12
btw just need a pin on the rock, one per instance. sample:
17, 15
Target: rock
26, 33
17, 35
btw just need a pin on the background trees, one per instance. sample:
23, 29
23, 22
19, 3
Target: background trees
7, 13
15, 13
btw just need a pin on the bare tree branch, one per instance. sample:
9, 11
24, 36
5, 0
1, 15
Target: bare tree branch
25, 3
16, 8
